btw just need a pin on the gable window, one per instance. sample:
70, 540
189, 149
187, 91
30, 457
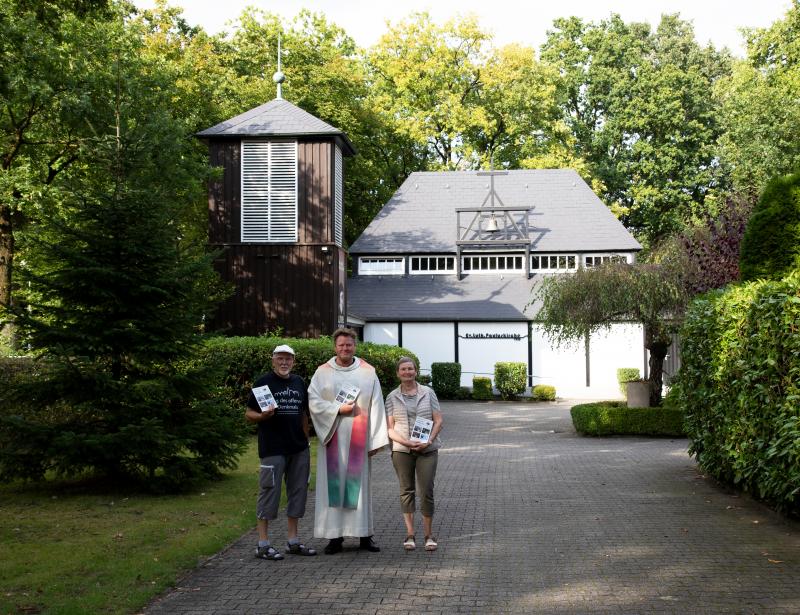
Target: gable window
391, 265
554, 262
598, 259
493, 262
269, 191
433, 264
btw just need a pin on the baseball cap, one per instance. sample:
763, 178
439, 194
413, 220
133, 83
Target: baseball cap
283, 348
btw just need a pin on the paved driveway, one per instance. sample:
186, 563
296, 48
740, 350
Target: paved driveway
531, 518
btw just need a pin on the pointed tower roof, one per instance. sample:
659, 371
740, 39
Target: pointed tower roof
278, 118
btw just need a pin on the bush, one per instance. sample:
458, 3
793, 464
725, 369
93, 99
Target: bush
482, 388
510, 379
771, 244
424, 379
626, 375
739, 385
544, 392
607, 418
446, 378
241, 359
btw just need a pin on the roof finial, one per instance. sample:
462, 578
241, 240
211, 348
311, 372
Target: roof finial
279, 77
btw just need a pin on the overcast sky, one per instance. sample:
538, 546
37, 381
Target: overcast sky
520, 21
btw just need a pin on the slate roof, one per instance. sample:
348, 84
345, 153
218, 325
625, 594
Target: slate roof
430, 298
567, 215
277, 118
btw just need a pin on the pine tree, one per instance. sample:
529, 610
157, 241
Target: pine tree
114, 301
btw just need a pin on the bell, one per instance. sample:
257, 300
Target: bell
491, 226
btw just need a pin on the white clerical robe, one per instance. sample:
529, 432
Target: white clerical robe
327, 382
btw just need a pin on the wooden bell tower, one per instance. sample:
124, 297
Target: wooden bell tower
277, 215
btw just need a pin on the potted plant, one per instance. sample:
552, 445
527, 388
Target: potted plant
637, 393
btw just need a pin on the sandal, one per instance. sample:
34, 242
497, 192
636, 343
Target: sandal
268, 553
299, 549
409, 543
430, 543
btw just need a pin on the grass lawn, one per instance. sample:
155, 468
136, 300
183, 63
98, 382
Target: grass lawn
68, 549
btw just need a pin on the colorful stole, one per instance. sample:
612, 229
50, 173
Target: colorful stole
355, 464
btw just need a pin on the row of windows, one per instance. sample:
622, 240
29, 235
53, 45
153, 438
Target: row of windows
395, 265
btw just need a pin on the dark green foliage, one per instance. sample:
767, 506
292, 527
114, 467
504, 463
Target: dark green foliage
608, 418
424, 379
739, 384
239, 360
446, 379
482, 388
543, 392
771, 244
625, 375
114, 300
510, 379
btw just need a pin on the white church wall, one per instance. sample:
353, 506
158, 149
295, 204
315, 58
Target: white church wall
561, 367
432, 342
619, 346
478, 355
381, 333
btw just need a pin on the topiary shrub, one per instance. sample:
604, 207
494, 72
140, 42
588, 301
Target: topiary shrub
771, 243
424, 379
510, 379
446, 379
482, 388
739, 384
608, 418
626, 375
544, 392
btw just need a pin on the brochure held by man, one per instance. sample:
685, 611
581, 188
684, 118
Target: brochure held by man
347, 395
264, 398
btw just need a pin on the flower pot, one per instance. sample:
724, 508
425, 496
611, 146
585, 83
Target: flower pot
638, 394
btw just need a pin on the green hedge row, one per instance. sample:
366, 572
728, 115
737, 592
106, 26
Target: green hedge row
740, 385
608, 418
482, 388
239, 360
543, 392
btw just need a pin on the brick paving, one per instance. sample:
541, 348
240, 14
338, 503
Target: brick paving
531, 518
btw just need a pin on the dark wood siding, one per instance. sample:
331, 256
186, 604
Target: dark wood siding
292, 287
224, 203
277, 286
314, 192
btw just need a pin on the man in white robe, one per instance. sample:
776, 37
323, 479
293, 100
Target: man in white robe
350, 432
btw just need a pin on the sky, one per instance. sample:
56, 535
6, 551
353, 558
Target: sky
511, 21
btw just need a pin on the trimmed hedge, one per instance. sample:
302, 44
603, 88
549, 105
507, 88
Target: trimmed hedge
446, 379
544, 392
608, 418
740, 385
510, 379
626, 375
482, 388
241, 359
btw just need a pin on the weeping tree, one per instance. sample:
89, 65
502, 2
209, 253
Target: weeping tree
574, 306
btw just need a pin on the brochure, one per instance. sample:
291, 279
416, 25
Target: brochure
347, 395
421, 430
264, 398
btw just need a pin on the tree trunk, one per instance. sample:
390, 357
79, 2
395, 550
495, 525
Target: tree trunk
6, 255
658, 352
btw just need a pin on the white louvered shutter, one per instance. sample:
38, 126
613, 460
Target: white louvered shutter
338, 201
269, 191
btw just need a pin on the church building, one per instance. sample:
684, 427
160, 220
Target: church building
450, 266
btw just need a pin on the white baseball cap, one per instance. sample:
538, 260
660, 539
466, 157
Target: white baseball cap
283, 348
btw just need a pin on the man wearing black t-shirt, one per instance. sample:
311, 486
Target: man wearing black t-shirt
283, 449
